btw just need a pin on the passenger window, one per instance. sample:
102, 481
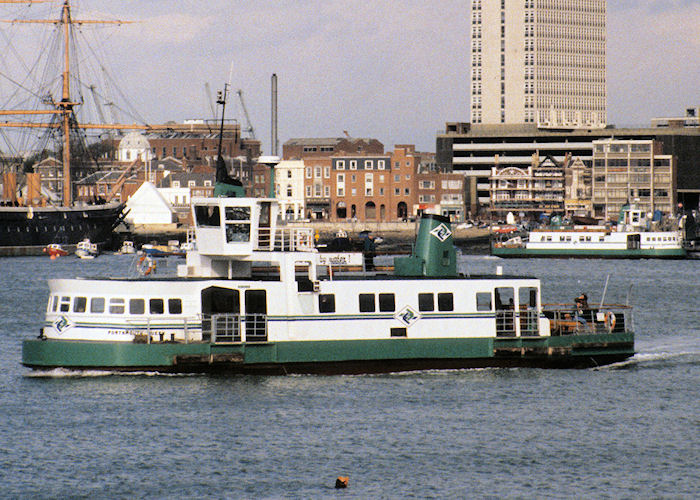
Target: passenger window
426, 302
175, 306
137, 306
97, 305
326, 303
156, 306
65, 304
527, 297
55, 303
504, 298
116, 306
386, 302
445, 302
483, 301
79, 304
367, 302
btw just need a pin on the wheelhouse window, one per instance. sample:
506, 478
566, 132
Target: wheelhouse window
137, 306
175, 306
367, 302
156, 306
445, 302
483, 301
326, 303
79, 304
426, 302
97, 305
207, 216
387, 302
237, 224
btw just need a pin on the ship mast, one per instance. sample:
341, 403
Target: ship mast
64, 108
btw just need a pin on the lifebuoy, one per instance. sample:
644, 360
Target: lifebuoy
146, 265
610, 320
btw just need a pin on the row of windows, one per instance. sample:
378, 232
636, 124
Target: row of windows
386, 302
116, 305
352, 164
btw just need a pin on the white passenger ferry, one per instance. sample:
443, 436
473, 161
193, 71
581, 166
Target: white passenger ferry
631, 239
257, 297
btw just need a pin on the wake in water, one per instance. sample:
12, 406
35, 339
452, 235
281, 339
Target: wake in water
655, 360
65, 373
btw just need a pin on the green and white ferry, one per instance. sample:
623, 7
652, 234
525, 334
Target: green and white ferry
257, 297
629, 240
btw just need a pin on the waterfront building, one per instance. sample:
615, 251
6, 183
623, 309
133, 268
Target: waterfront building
305, 148
471, 149
289, 188
394, 187
539, 188
539, 62
632, 171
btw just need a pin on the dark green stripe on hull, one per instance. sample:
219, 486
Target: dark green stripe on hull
678, 253
332, 357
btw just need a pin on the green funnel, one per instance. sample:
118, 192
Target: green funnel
434, 254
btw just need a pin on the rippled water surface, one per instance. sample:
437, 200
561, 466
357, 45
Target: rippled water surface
625, 431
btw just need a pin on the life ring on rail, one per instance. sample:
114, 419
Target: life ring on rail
610, 320
146, 265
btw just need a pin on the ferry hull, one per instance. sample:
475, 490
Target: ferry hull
331, 357
674, 253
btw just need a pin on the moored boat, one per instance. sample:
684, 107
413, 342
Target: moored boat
86, 250
55, 250
630, 239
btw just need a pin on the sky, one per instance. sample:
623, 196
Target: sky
388, 69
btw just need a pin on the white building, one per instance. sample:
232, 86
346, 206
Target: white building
289, 188
134, 145
539, 61
148, 207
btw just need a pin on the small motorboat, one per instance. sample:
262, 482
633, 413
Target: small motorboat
55, 250
127, 248
86, 250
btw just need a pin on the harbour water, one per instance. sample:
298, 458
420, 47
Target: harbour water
625, 431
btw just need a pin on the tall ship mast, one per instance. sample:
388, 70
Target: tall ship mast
31, 220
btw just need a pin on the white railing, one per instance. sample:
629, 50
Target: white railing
288, 239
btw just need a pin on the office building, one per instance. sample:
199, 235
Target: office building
539, 61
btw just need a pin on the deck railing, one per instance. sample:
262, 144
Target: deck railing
566, 319
231, 328
288, 239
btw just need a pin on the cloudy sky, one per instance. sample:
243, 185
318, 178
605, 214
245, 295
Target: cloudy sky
394, 70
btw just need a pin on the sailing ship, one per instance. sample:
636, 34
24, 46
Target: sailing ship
29, 219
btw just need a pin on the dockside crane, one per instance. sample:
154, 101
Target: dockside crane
249, 126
